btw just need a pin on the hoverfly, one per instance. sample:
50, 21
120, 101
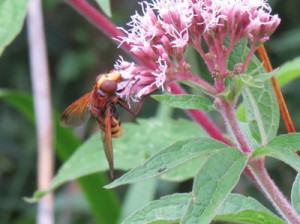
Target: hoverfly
100, 103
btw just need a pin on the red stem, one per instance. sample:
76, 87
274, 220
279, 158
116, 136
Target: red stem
105, 26
205, 86
268, 186
233, 125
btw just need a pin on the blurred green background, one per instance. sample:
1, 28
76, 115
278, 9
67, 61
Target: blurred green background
77, 52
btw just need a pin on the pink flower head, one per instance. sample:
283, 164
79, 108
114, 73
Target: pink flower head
161, 34
139, 81
232, 20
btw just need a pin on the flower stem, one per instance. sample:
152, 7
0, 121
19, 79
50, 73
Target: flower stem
105, 26
228, 113
189, 76
268, 186
256, 167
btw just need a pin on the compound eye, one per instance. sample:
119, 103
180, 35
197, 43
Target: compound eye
109, 86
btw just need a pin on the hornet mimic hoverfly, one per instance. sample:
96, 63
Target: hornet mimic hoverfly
100, 103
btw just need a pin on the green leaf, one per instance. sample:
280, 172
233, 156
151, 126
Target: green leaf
12, 14
179, 153
130, 150
105, 6
185, 171
289, 71
246, 130
262, 77
185, 101
22, 101
262, 112
213, 184
236, 209
169, 208
241, 209
238, 53
105, 210
241, 113
133, 200
284, 148
296, 194
256, 79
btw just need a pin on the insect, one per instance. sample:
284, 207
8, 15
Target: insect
100, 103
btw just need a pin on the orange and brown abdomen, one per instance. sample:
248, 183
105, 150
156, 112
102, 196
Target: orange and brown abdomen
116, 128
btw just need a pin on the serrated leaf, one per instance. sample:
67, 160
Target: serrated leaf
130, 150
177, 154
262, 112
241, 209
289, 71
169, 208
295, 197
105, 6
185, 101
284, 148
236, 208
12, 14
213, 183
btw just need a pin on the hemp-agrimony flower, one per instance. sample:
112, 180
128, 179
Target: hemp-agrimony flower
165, 28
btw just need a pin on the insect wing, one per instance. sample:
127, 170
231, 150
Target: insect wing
107, 140
77, 113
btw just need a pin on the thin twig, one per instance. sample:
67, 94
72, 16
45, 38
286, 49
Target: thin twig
281, 102
42, 102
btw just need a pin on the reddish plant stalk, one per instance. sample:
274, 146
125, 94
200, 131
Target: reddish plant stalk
104, 25
270, 189
281, 102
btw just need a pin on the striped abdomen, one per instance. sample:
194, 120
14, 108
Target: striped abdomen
116, 128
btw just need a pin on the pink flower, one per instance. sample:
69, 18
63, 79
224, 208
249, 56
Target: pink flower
139, 80
166, 27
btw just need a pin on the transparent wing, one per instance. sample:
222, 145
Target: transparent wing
107, 140
77, 113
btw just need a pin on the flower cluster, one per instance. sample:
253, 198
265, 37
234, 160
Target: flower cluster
161, 34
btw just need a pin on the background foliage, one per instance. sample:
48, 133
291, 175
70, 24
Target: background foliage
77, 53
